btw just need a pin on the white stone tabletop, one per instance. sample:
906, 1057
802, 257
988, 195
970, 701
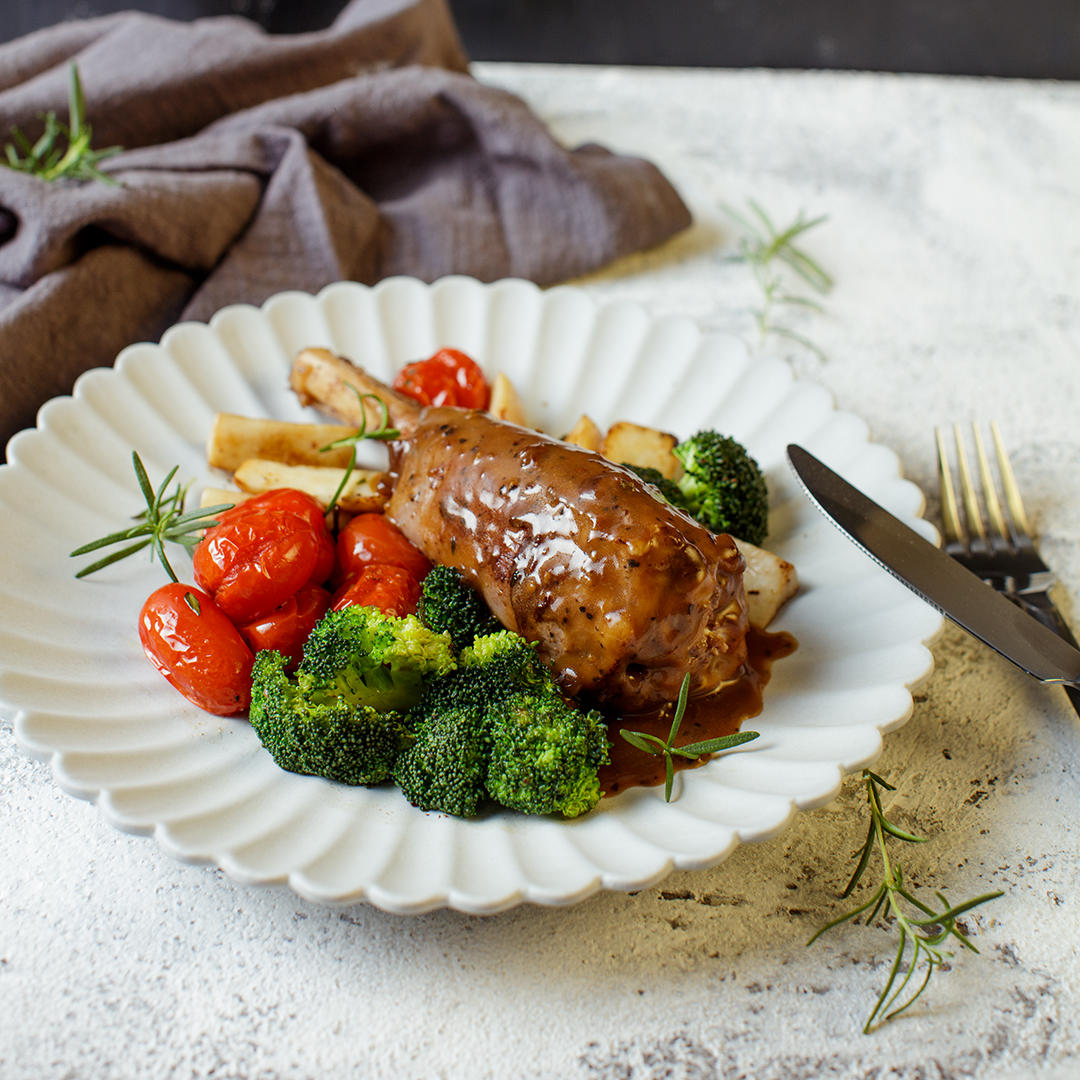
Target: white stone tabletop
952, 234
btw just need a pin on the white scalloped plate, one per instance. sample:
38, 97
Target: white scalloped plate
115, 732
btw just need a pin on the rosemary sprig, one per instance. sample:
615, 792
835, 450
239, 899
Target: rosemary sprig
653, 744
62, 151
383, 431
766, 249
164, 520
920, 939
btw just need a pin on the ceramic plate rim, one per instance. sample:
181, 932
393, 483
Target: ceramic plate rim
372, 892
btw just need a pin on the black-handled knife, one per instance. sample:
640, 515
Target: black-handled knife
941, 581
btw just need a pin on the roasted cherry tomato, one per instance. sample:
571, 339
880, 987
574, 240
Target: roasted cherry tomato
255, 563
262, 552
389, 588
473, 391
303, 504
291, 499
427, 384
374, 538
325, 561
287, 627
194, 645
300, 503
449, 377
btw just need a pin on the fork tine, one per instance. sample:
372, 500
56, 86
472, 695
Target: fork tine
967, 489
1008, 483
950, 512
993, 506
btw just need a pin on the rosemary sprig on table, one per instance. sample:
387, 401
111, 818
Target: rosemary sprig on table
767, 249
163, 521
383, 431
653, 744
920, 938
62, 151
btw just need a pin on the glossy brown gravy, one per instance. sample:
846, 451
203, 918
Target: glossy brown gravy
718, 714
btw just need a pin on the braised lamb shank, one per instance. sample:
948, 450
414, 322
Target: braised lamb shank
622, 594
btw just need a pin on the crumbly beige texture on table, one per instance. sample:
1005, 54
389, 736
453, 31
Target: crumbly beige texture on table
954, 238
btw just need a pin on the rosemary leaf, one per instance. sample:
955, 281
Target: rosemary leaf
767, 249
114, 557
715, 746
62, 151
919, 939
162, 521
382, 431
644, 742
654, 745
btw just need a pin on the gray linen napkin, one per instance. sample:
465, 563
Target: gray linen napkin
256, 163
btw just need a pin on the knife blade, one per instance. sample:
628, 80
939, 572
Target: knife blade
939, 580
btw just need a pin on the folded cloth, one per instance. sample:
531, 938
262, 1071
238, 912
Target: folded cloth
255, 163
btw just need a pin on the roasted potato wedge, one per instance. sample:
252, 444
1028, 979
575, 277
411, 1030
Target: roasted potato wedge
235, 439
362, 493
585, 433
634, 444
505, 403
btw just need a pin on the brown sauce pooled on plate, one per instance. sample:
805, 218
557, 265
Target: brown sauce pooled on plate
709, 717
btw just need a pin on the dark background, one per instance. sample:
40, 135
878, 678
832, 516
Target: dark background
1010, 38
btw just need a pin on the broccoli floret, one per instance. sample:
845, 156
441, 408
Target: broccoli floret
545, 753
446, 766
367, 657
376, 697
343, 716
723, 487
504, 662
667, 489
449, 603
499, 727
331, 737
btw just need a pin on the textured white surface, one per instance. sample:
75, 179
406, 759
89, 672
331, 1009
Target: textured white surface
953, 237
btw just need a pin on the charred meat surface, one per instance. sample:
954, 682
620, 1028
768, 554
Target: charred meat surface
623, 594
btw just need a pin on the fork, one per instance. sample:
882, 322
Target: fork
999, 548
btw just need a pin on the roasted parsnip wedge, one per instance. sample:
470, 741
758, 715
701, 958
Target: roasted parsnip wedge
215, 496
235, 439
361, 494
769, 582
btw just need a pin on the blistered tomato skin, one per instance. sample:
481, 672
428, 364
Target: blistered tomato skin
252, 565
325, 560
262, 552
427, 384
449, 377
389, 588
287, 627
373, 538
288, 499
472, 388
200, 653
